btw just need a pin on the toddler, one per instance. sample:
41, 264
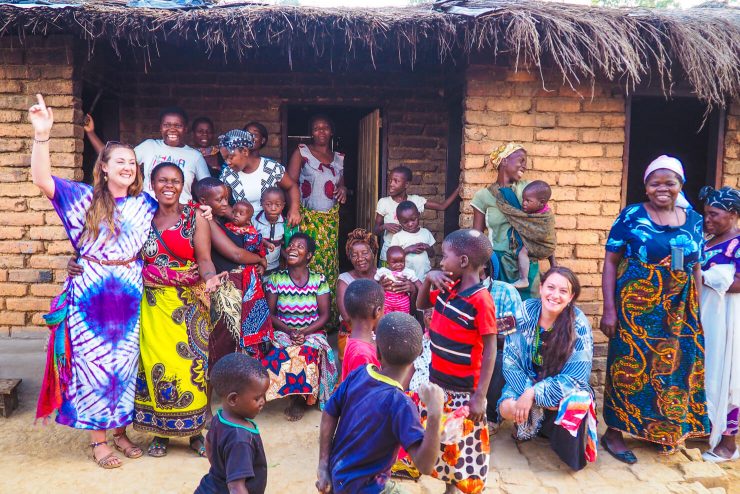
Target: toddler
271, 224
463, 344
363, 301
534, 202
233, 445
396, 271
386, 221
369, 416
416, 241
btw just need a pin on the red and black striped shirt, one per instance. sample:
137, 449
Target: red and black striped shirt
459, 322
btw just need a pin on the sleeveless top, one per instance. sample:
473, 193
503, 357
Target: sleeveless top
318, 180
172, 247
220, 262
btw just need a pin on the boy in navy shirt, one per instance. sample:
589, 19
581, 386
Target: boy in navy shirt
369, 416
233, 445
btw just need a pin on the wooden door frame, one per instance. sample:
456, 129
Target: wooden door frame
719, 166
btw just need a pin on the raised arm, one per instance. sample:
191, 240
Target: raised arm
42, 119
442, 206
95, 141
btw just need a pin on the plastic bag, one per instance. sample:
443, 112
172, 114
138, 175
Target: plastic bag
452, 425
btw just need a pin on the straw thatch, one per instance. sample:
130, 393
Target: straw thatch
632, 46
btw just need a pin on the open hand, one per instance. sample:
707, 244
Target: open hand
523, 405
212, 284
206, 211
41, 117
340, 194
294, 218
73, 268
440, 280
392, 227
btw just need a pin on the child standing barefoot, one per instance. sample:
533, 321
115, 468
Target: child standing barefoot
463, 336
233, 445
363, 302
396, 271
369, 416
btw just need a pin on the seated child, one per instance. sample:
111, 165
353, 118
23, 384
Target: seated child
463, 343
363, 301
396, 271
416, 241
534, 202
386, 221
271, 224
369, 416
233, 445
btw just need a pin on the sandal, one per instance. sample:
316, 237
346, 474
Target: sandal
132, 451
201, 450
713, 457
109, 461
158, 447
627, 457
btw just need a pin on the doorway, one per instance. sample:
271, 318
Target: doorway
674, 127
102, 104
357, 136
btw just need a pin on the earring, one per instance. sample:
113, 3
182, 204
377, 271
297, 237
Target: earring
105, 177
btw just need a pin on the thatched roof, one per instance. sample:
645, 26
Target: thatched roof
585, 43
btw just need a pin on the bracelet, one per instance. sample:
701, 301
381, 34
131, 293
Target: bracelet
41, 142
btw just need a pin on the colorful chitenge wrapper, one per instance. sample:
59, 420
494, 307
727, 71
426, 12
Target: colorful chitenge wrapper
58, 373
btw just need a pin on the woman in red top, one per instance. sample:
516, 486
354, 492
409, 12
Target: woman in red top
178, 273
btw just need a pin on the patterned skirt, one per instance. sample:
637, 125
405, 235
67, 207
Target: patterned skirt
170, 395
323, 227
655, 367
306, 369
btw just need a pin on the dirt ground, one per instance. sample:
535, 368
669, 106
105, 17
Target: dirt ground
53, 459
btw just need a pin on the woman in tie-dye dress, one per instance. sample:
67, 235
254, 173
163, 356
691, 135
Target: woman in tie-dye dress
94, 347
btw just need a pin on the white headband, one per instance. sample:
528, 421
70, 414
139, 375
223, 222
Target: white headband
665, 162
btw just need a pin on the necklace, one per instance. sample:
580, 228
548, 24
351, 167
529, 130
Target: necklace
660, 218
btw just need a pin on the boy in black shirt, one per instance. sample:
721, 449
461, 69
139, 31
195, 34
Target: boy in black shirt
233, 444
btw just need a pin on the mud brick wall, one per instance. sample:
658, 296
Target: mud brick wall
732, 146
412, 105
33, 245
575, 143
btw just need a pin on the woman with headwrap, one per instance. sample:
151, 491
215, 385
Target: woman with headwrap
720, 308
511, 162
655, 366
320, 172
248, 180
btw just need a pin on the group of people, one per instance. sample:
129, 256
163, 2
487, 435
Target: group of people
213, 269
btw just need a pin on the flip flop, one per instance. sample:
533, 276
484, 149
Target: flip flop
627, 457
713, 457
158, 447
201, 450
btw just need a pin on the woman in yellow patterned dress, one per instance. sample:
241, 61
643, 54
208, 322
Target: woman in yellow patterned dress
170, 395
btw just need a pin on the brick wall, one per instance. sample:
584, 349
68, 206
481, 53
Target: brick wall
574, 142
413, 106
33, 244
732, 146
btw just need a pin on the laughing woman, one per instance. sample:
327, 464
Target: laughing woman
94, 348
301, 362
171, 398
655, 366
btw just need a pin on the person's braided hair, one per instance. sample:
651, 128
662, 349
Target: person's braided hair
361, 236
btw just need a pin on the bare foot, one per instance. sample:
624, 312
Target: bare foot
296, 409
521, 283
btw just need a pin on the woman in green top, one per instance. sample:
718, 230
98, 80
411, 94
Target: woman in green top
511, 162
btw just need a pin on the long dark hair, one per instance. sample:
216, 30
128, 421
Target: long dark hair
557, 348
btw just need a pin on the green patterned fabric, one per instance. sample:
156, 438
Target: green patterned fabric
323, 227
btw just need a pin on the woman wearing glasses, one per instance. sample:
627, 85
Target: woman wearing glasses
171, 148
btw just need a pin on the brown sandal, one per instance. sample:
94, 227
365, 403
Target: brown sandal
131, 452
105, 462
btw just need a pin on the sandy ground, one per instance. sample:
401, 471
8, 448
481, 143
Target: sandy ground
53, 459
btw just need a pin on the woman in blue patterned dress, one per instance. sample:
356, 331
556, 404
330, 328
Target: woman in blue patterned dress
655, 367
91, 372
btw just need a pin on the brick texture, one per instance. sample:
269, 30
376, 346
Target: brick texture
31, 257
732, 146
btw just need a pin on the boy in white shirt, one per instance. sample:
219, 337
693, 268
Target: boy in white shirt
271, 224
416, 241
386, 222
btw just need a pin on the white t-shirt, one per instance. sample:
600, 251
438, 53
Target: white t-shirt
268, 174
419, 263
154, 151
263, 226
387, 208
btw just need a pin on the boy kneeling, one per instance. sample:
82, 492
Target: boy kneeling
369, 416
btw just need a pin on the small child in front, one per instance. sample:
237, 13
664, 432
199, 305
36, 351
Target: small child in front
463, 342
416, 241
363, 301
271, 224
233, 445
396, 271
369, 416
386, 221
534, 201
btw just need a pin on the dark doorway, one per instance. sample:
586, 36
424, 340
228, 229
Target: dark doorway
347, 140
658, 126
102, 104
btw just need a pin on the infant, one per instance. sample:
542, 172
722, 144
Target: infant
534, 201
396, 271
